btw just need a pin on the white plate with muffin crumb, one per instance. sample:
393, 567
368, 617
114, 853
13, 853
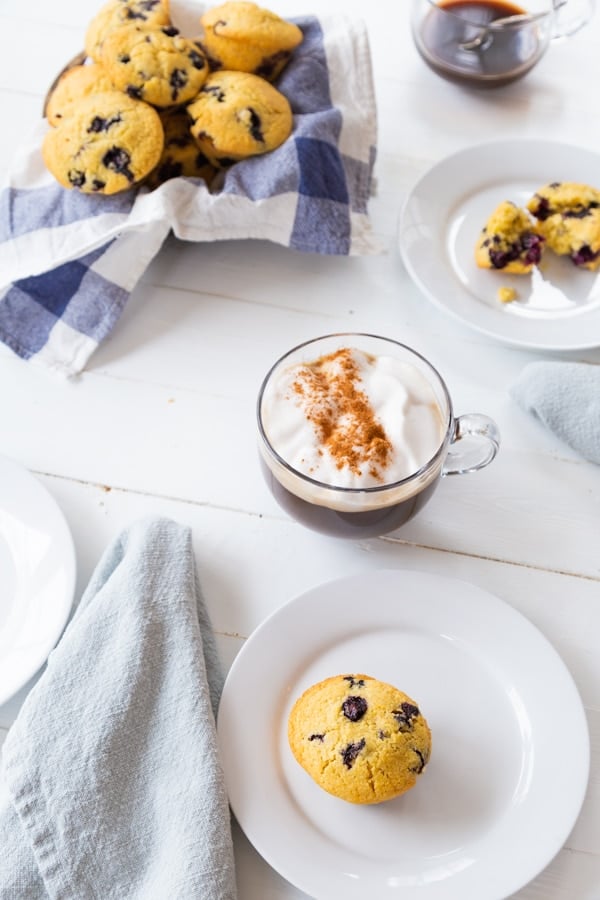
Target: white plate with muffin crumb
509, 760
557, 305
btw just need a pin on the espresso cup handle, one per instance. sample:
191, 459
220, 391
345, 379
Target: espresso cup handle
474, 444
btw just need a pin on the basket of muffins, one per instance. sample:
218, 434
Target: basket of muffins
145, 104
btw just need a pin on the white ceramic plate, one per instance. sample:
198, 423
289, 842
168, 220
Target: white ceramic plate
37, 576
557, 306
496, 801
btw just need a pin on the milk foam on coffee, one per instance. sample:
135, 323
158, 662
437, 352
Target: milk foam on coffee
352, 419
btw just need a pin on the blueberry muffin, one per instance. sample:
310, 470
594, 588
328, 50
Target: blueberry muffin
73, 86
158, 66
360, 739
115, 13
509, 241
237, 115
108, 144
568, 217
244, 37
181, 154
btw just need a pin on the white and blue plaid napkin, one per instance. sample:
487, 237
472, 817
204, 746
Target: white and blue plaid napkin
69, 261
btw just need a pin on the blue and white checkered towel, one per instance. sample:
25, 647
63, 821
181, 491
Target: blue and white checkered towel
69, 261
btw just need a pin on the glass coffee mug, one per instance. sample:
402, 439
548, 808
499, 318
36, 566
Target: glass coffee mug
488, 43
356, 430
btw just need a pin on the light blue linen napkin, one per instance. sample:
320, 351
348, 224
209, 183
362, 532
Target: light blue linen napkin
566, 398
110, 781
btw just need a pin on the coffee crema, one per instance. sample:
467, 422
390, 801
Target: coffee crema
351, 419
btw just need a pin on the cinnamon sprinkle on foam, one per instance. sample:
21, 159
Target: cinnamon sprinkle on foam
341, 414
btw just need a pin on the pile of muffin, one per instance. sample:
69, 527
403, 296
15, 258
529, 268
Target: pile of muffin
148, 104
563, 217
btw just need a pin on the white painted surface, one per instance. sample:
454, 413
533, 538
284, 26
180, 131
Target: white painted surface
148, 430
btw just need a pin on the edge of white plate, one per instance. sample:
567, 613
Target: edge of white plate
70, 561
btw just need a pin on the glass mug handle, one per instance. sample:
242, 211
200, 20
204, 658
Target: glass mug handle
570, 16
481, 438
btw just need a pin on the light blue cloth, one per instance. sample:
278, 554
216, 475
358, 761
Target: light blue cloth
110, 782
566, 398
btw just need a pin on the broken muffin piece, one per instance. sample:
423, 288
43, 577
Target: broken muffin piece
568, 217
509, 241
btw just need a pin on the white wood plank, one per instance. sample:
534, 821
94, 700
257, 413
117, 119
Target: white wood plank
71, 14
245, 546
265, 561
528, 508
50, 45
22, 110
249, 565
570, 876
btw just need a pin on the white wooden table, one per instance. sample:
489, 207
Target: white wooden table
148, 429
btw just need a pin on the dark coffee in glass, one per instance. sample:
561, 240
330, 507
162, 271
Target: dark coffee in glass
337, 523
485, 43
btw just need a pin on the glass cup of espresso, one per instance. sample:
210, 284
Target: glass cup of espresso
489, 43
356, 430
